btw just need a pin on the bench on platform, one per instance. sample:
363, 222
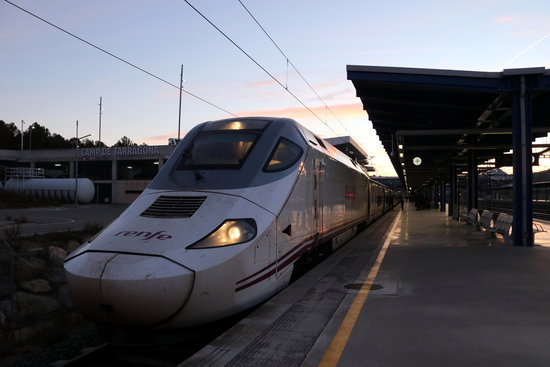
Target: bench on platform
472, 217
537, 228
486, 220
503, 226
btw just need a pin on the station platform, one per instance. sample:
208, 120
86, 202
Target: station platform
416, 288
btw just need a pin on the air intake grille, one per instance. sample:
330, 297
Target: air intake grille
174, 207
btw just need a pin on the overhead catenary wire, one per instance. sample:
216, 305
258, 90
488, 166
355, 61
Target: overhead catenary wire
289, 62
258, 64
119, 58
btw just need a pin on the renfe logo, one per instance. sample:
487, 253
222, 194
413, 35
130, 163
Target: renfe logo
144, 235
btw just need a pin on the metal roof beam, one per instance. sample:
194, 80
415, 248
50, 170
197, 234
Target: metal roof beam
471, 147
446, 79
437, 132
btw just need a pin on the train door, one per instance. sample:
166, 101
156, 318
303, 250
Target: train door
318, 200
278, 250
368, 203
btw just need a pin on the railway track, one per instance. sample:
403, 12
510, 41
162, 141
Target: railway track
143, 349
108, 355
539, 211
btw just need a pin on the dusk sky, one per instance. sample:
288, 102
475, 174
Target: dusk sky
54, 79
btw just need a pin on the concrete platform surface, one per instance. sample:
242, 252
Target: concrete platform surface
442, 294
462, 299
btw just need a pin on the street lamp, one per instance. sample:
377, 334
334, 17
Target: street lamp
76, 141
31, 128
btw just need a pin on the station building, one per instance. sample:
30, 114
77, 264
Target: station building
119, 174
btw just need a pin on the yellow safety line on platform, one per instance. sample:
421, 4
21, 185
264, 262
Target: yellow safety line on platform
334, 352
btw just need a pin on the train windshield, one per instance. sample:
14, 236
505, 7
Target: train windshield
218, 151
285, 154
222, 145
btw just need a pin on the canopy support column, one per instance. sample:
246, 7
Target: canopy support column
523, 170
453, 193
472, 180
442, 193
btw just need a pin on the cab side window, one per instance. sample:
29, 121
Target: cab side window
285, 154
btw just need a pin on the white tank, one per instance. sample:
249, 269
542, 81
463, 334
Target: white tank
60, 189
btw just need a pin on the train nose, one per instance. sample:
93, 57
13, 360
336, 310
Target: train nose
128, 290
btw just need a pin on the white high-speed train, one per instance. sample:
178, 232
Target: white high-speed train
222, 225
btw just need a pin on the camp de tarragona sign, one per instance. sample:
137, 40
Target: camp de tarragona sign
119, 151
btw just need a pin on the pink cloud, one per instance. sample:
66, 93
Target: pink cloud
506, 19
170, 94
162, 139
327, 85
344, 92
343, 111
262, 84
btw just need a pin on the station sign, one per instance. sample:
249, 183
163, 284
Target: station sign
138, 151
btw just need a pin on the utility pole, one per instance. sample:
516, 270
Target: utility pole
22, 123
100, 112
30, 134
181, 89
76, 166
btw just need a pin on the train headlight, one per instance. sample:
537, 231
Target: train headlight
230, 232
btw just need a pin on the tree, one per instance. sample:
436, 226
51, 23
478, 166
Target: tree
87, 143
9, 134
36, 137
125, 142
56, 141
40, 137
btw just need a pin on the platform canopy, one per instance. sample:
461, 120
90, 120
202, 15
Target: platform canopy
429, 119
350, 147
